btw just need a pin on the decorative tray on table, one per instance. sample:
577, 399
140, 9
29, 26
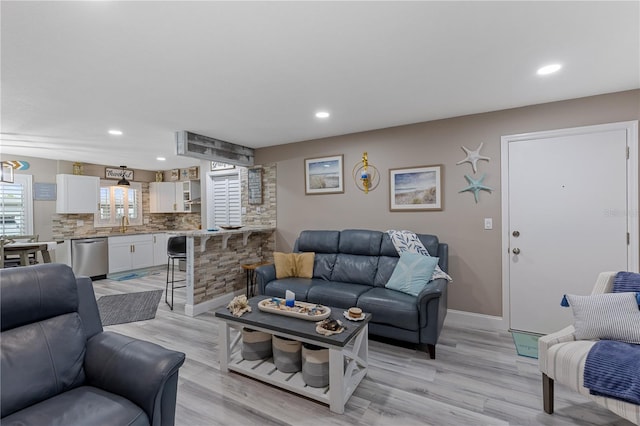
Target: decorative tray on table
302, 310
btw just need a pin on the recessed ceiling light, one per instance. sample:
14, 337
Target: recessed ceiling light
549, 69
322, 114
115, 132
161, 159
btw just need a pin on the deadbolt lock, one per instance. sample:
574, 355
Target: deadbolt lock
516, 250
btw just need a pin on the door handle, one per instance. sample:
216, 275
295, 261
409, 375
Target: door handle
516, 234
516, 250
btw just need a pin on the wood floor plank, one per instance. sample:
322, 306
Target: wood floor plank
477, 379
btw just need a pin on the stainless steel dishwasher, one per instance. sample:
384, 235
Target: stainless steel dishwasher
90, 257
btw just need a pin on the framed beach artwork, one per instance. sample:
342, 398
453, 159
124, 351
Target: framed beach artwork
416, 188
324, 175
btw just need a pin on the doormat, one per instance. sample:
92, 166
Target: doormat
526, 343
129, 307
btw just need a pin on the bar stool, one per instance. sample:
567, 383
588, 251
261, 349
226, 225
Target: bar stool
250, 269
176, 249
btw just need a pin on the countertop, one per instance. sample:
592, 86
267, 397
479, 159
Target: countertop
208, 233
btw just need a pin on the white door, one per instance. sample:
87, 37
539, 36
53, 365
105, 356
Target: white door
568, 193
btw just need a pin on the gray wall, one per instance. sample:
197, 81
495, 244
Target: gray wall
475, 254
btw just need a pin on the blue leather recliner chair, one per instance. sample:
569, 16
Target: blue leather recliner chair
59, 367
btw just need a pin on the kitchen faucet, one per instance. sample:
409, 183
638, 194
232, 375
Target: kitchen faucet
124, 222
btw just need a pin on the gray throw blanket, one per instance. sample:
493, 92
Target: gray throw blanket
612, 369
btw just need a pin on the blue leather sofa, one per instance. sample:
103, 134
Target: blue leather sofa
60, 368
351, 268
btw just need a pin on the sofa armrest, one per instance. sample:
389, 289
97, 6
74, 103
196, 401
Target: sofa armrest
265, 274
132, 368
567, 334
432, 308
432, 290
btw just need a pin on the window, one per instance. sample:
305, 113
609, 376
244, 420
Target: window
224, 200
16, 214
116, 202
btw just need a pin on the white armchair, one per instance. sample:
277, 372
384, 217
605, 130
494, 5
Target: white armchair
562, 358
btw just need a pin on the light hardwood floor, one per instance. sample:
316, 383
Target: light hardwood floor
477, 379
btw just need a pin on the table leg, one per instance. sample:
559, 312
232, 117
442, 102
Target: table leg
223, 348
24, 258
336, 381
46, 257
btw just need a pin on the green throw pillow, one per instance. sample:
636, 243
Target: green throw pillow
412, 273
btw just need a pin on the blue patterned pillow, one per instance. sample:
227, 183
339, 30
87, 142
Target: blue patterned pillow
626, 282
412, 273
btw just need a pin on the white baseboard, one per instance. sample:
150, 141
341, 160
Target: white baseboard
209, 305
478, 321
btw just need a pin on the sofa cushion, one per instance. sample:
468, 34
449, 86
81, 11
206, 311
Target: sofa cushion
293, 264
337, 294
323, 265
390, 307
412, 273
360, 241
41, 360
611, 316
386, 266
300, 286
84, 405
351, 268
318, 241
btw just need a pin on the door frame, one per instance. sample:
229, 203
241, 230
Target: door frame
633, 212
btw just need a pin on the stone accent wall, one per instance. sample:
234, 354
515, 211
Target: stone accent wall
265, 213
217, 271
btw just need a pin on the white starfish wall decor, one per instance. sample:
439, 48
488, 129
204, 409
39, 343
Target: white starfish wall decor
473, 157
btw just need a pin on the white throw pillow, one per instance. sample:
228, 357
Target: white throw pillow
609, 316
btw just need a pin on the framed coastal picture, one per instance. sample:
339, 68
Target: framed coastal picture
324, 175
416, 188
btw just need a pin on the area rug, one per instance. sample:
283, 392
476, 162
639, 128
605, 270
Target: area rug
129, 307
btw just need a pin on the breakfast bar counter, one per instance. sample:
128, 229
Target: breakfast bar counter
213, 262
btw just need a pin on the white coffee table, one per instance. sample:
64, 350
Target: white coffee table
348, 352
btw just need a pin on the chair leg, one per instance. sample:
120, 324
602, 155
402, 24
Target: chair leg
166, 287
547, 394
173, 273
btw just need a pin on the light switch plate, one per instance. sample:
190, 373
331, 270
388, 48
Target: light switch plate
488, 223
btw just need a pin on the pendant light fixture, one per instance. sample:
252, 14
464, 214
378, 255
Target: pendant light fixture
123, 181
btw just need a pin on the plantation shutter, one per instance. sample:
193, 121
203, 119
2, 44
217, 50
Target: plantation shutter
227, 200
15, 205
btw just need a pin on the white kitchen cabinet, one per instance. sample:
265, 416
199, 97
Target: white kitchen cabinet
130, 252
77, 194
159, 249
174, 197
162, 197
188, 196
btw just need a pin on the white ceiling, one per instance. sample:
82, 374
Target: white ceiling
254, 73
